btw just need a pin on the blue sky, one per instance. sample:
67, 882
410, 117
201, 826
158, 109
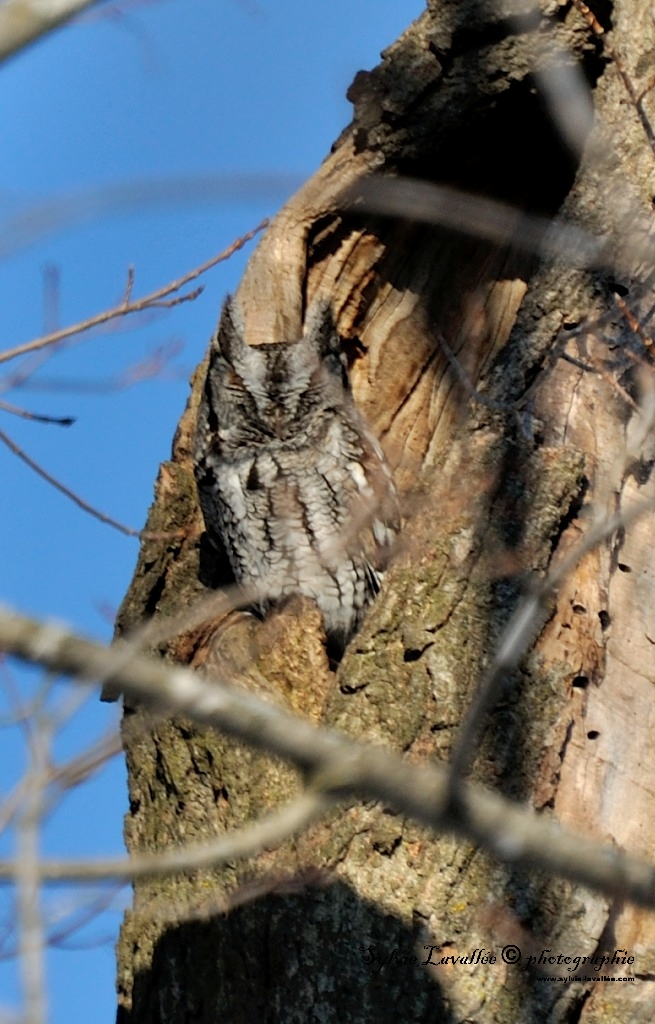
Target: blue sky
141, 91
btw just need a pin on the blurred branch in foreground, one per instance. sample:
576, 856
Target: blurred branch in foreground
338, 767
40, 219
24, 21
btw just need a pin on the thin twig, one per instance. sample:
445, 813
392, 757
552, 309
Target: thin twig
59, 935
633, 322
84, 505
265, 833
129, 285
15, 410
519, 634
80, 502
154, 365
51, 290
635, 97
153, 300
80, 769
31, 939
467, 383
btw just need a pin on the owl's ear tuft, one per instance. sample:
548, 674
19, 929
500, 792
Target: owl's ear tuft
320, 329
229, 340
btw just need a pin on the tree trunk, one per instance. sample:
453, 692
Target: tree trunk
495, 488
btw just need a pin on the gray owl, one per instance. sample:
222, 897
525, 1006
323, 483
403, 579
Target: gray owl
290, 479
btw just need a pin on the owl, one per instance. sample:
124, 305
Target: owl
291, 481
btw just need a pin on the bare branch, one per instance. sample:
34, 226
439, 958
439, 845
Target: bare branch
267, 832
40, 219
129, 285
83, 767
15, 410
126, 307
155, 365
13, 447
479, 216
31, 939
337, 766
468, 385
24, 21
51, 297
636, 98
496, 221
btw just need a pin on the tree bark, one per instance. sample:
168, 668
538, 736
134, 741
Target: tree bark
495, 489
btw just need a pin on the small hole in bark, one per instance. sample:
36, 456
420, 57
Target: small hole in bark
411, 654
580, 682
619, 289
593, 734
579, 609
624, 568
605, 619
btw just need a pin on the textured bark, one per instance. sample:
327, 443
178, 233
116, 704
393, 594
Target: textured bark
488, 497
